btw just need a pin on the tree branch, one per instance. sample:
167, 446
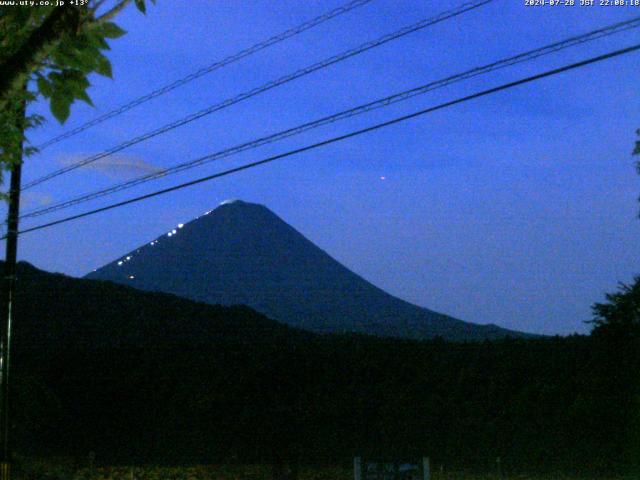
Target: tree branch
16, 69
97, 4
113, 12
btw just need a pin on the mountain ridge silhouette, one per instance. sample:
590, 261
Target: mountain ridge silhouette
243, 253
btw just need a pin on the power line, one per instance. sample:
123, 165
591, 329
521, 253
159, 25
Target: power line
332, 140
267, 86
208, 69
398, 97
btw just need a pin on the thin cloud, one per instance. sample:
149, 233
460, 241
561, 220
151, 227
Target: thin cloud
30, 199
119, 167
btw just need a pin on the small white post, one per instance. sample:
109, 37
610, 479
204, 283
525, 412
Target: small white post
357, 468
426, 469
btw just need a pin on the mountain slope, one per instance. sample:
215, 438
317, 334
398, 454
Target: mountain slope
242, 253
55, 311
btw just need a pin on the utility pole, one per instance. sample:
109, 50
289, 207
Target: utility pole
6, 305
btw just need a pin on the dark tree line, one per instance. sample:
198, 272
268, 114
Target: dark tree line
141, 377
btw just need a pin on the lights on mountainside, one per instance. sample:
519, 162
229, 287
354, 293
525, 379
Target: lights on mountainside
126, 259
151, 244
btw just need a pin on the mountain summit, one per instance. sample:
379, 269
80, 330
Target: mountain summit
242, 253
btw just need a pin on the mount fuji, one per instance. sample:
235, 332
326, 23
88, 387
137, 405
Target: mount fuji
242, 253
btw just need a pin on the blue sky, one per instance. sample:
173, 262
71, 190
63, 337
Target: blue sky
518, 209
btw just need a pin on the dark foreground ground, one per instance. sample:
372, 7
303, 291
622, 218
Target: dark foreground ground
57, 470
142, 378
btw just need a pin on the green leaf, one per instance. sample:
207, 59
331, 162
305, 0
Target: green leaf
80, 57
111, 30
97, 41
34, 120
76, 83
44, 86
141, 6
85, 98
29, 151
103, 66
60, 106
55, 76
